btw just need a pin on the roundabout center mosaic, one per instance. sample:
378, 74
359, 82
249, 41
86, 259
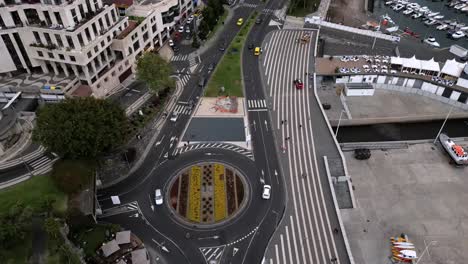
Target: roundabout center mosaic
207, 193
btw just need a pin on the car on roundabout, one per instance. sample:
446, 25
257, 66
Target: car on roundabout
240, 21
158, 199
266, 193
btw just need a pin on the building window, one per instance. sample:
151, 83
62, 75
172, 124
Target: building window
126, 63
113, 73
145, 37
96, 49
106, 79
47, 37
103, 43
89, 54
59, 40
134, 36
136, 45
120, 68
109, 38
98, 85
153, 28
50, 54
144, 27
70, 42
61, 57
72, 58
40, 54
37, 37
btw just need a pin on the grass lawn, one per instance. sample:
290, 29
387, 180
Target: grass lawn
216, 27
228, 72
93, 239
31, 192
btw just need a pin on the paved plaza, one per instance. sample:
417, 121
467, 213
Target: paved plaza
413, 191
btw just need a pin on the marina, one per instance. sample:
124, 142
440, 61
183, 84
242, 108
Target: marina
444, 23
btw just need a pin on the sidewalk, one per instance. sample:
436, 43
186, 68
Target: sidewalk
120, 170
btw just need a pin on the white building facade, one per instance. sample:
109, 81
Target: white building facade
83, 39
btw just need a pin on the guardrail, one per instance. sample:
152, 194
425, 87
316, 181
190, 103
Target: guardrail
318, 21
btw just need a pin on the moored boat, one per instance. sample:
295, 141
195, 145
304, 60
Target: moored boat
456, 152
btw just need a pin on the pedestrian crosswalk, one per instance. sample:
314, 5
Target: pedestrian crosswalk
184, 78
268, 11
42, 164
181, 57
212, 254
259, 104
249, 5
182, 109
132, 206
235, 148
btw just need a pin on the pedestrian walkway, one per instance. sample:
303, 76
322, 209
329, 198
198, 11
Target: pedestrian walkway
23, 159
184, 78
268, 11
249, 5
232, 147
181, 57
257, 104
41, 162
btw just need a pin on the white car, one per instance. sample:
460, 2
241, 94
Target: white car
266, 192
344, 59
393, 71
174, 116
181, 29
158, 199
187, 30
171, 43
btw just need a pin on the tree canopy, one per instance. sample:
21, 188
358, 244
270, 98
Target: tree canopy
81, 127
155, 71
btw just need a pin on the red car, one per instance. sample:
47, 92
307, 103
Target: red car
299, 84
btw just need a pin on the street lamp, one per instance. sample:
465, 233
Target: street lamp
443, 124
425, 250
339, 122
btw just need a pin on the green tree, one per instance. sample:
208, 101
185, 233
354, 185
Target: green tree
81, 127
15, 224
156, 72
52, 227
217, 7
203, 30
209, 16
195, 42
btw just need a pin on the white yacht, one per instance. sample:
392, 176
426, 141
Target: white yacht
408, 11
416, 15
431, 14
398, 7
460, 6
388, 2
432, 42
439, 17
442, 27
431, 22
457, 35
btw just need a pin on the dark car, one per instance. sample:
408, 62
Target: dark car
175, 48
259, 20
211, 66
251, 46
202, 81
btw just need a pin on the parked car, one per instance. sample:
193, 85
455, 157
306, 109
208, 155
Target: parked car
158, 197
266, 193
211, 67
175, 48
251, 46
187, 30
181, 29
171, 43
259, 20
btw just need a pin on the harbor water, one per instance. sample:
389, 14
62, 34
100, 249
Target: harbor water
417, 25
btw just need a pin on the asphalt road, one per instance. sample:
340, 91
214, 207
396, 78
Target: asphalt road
136, 191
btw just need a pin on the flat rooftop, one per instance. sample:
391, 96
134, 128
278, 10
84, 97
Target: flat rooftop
414, 191
131, 26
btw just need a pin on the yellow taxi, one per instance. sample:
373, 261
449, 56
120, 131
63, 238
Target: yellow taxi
257, 51
240, 21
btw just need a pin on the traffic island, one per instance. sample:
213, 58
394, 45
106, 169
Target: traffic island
207, 194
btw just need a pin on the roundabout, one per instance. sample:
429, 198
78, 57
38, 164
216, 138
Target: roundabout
207, 194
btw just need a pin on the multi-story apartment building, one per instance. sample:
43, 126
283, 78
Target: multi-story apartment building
85, 40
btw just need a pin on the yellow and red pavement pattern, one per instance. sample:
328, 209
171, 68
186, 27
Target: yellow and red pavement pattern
219, 192
194, 194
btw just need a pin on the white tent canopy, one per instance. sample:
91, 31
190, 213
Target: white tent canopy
462, 83
453, 68
412, 63
430, 65
396, 60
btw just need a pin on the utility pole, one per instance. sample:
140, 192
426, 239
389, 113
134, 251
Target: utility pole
443, 124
